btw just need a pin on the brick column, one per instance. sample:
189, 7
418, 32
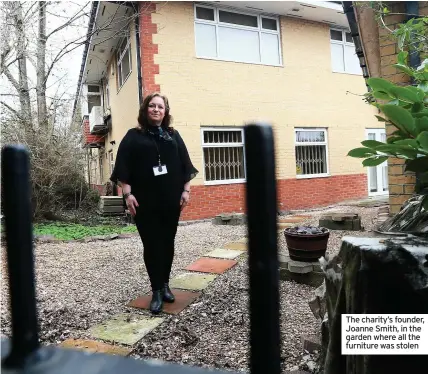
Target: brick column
401, 184
148, 49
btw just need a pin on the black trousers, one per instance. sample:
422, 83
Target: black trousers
157, 229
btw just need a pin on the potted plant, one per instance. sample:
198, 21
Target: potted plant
306, 243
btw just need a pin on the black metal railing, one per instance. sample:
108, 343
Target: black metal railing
23, 352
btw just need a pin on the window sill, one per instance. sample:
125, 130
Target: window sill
124, 81
311, 176
230, 181
346, 73
239, 62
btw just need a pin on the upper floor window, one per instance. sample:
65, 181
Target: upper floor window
124, 66
94, 96
234, 36
343, 55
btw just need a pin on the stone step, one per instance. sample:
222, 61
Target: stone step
124, 328
182, 300
92, 346
225, 253
239, 246
211, 265
192, 281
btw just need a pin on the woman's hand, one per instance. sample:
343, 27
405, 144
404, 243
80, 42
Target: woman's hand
185, 197
132, 204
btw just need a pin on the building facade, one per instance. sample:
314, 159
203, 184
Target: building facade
224, 64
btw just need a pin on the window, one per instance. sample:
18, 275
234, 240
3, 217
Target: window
240, 37
100, 161
123, 61
94, 96
311, 152
343, 55
107, 94
111, 161
223, 151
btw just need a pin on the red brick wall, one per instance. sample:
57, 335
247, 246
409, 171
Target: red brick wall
148, 49
208, 201
99, 187
88, 138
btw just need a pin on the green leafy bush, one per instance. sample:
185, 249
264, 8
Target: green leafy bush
407, 109
66, 231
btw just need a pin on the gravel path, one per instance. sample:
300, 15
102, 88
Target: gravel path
82, 284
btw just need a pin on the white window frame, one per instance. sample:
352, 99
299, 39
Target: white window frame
260, 30
342, 43
99, 93
107, 93
111, 161
308, 129
119, 61
219, 145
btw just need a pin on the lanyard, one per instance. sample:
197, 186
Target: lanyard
159, 157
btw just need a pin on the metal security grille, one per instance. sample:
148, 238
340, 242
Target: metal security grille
223, 155
311, 152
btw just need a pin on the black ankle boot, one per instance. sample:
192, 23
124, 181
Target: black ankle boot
167, 294
156, 303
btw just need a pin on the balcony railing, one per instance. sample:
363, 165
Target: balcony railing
96, 120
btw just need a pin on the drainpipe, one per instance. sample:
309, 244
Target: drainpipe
348, 9
412, 11
138, 48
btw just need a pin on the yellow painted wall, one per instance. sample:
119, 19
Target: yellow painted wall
302, 93
124, 104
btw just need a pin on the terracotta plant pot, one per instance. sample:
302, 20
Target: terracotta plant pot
305, 246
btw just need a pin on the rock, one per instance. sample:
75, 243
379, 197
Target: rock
111, 237
46, 238
311, 343
341, 221
318, 303
411, 218
374, 276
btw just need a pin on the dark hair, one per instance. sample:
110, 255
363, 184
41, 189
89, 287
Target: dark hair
142, 114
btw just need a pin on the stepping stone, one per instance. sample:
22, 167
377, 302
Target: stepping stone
93, 346
225, 253
211, 265
282, 225
125, 328
243, 240
192, 281
182, 300
239, 246
293, 219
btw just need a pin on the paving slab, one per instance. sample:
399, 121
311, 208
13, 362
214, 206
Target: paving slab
211, 265
126, 329
239, 246
182, 300
192, 281
293, 219
225, 253
282, 225
93, 346
243, 240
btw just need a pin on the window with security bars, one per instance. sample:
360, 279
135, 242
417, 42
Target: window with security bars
311, 152
223, 151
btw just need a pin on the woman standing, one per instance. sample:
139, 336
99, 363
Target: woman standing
154, 170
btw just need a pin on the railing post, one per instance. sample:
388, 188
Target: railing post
19, 239
263, 257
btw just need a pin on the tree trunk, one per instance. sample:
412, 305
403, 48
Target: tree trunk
41, 67
21, 52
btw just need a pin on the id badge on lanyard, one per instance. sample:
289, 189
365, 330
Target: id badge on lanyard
159, 170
